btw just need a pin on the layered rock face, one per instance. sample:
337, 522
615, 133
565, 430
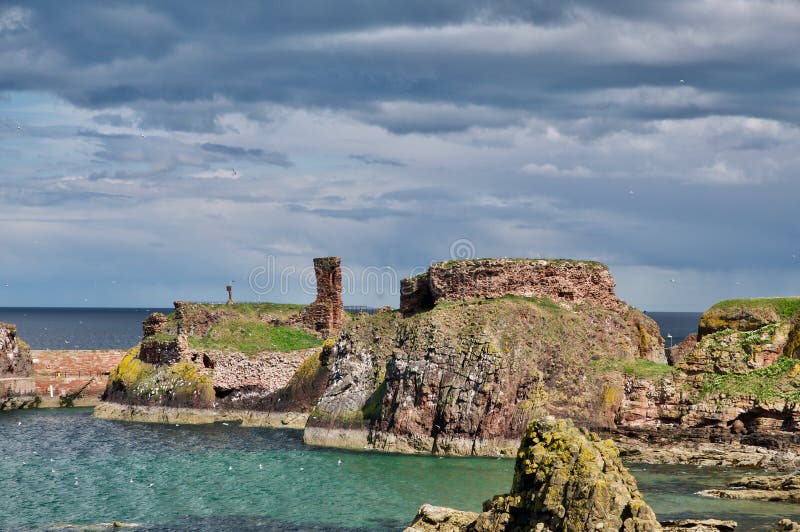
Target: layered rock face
558, 280
736, 387
326, 313
15, 355
466, 377
567, 480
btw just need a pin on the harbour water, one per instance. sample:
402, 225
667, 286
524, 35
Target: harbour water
64, 466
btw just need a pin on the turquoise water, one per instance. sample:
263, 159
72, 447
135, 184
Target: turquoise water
63, 466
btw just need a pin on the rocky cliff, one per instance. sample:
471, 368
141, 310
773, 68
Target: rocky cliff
567, 480
738, 385
466, 376
16, 370
15, 355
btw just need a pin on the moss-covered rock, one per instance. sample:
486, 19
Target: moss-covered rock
565, 479
135, 381
747, 314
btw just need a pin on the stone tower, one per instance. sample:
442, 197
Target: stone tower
326, 313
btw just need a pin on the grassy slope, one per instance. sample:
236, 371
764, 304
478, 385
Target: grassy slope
534, 335
785, 307
778, 381
251, 337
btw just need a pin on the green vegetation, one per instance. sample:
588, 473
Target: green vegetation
130, 371
785, 307
253, 310
541, 302
253, 337
778, 381
594, 265
160, 338
635, 367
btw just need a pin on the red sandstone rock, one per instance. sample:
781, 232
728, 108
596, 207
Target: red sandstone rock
15, 359
326, 313
463, 280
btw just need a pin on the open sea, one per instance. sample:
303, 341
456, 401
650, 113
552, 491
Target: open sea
63, 466
121, 328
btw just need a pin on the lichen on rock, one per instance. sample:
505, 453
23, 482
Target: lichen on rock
565, 479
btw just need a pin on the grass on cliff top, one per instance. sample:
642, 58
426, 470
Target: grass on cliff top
253, 337
542, 302
644, 369
453, 262
785, 307
778, 381
254, 309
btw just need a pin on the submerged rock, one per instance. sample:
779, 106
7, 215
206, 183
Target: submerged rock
785, 488
698, 525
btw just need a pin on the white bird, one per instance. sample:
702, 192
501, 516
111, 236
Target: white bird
150, 486
131, 481
631, 192
672, 281
230, 468
260, 466
302, 469
225, 424
76, 482
19, 127
682, 81
339, 462
19, 423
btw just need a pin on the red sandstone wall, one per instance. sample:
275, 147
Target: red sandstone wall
68, 370
326, 313
570, 281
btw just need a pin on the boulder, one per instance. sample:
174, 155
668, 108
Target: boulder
565, 479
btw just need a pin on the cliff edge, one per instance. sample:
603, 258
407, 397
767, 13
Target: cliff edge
465, 376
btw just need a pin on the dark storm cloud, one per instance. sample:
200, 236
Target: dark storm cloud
380, 161
656, 135
518, 56
278, 159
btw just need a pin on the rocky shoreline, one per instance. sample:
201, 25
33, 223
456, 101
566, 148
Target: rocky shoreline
199, 416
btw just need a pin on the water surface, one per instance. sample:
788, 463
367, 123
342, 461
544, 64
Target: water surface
63, 466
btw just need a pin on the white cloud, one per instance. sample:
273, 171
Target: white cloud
219, 173
551, 170
14, 18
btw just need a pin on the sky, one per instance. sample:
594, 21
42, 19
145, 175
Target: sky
154, 151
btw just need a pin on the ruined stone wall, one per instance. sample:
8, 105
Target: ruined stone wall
559, 280
266, 372
326, 313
